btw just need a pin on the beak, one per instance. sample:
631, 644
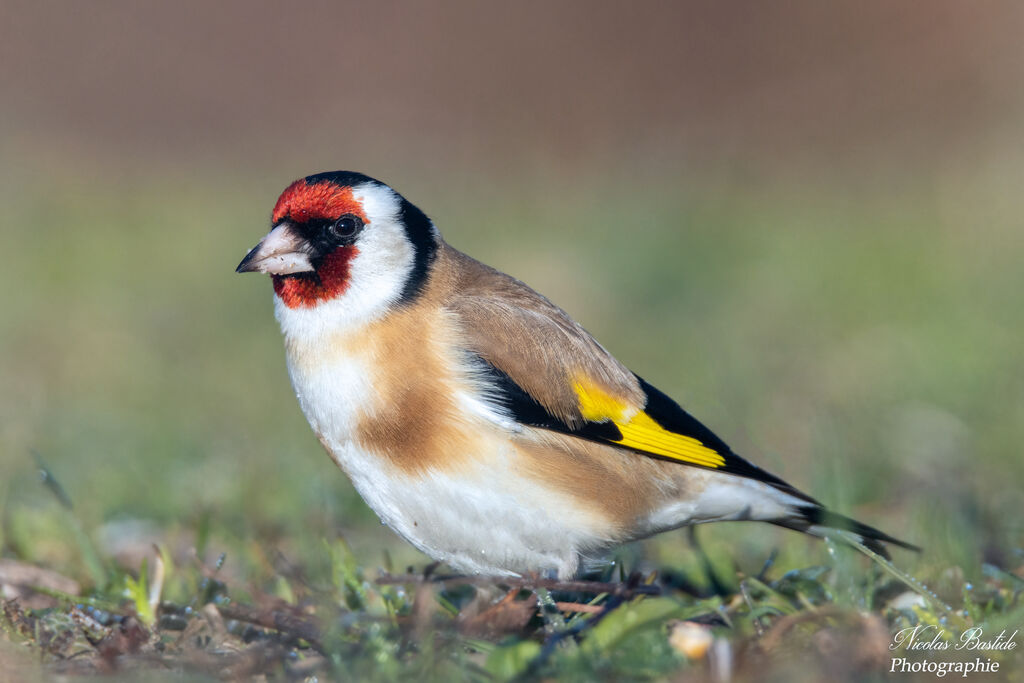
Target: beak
281, 252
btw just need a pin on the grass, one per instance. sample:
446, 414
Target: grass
863, 345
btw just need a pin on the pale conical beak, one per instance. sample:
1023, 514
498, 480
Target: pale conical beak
281, 252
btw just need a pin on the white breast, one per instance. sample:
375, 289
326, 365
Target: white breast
331, 393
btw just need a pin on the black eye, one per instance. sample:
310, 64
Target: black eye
346, 227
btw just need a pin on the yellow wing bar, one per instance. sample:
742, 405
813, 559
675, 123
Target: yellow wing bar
639, 430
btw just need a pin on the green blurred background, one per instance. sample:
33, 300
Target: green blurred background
802, 220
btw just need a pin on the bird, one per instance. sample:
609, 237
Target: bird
477, 419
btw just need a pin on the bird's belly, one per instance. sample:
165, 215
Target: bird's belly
482, 519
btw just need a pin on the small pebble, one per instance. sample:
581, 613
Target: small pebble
690, 638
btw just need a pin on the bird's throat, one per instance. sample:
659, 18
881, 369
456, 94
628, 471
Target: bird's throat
305, 290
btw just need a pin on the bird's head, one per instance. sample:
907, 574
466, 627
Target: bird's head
343, 239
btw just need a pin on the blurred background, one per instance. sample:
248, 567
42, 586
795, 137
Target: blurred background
802, 220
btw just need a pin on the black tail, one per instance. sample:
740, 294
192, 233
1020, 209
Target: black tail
817, 521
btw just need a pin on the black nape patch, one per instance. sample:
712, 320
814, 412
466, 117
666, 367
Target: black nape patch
420, 232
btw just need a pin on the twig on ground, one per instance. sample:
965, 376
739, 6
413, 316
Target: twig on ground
279, 620
578, 607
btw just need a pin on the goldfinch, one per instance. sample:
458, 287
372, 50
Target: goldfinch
475, 417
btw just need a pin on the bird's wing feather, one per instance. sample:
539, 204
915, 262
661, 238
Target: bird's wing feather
548, 372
